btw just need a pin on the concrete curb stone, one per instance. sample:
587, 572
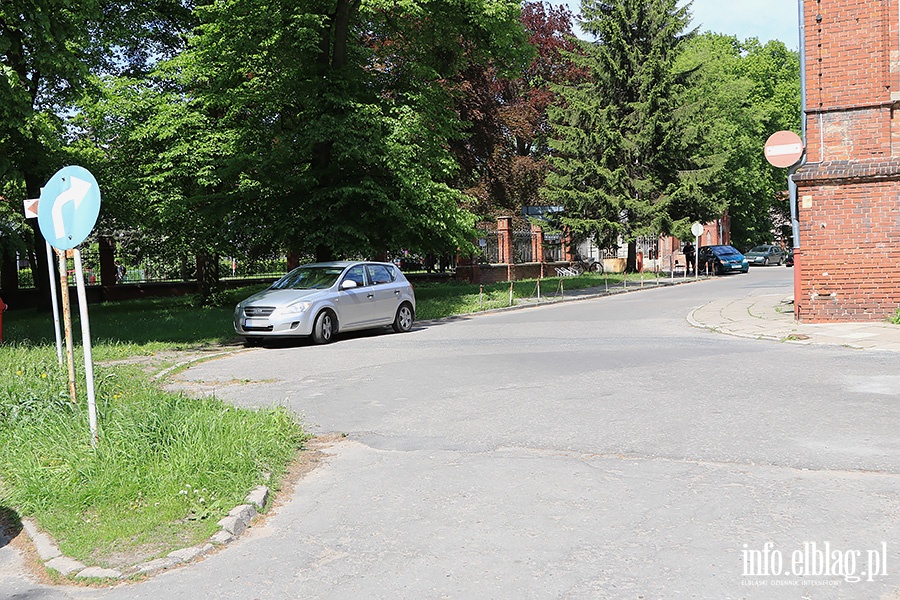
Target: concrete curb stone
45, 546
237, 521
65, 565
98, 573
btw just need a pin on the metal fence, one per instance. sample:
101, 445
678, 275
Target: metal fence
523, 246
489, 244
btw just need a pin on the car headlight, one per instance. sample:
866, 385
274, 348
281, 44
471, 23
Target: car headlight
293, 308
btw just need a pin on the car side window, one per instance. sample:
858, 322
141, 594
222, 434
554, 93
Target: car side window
356, 274
379, 274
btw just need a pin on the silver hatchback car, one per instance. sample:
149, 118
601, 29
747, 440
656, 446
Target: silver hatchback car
321, 299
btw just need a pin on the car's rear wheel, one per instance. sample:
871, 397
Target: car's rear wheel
403, 321
324, 327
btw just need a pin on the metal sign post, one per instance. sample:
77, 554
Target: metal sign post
31, 212
67, 211
55, 303
86, 344
697, 230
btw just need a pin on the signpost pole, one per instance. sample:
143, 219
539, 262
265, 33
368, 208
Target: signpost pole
55, 303
697, 230
31, 212
67, 212
67, 321
86, 343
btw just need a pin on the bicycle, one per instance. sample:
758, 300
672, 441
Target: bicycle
590, 265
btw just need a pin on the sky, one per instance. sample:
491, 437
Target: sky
763, 19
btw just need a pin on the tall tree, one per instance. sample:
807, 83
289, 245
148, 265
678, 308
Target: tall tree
338, 115
619, 163
503, 152
48, 51
742, 93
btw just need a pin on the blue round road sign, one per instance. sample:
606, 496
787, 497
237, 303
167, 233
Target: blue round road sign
69, 207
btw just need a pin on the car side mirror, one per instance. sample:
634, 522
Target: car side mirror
348, 284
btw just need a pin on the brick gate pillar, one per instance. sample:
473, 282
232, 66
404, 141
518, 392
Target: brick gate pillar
537, 244
505, 240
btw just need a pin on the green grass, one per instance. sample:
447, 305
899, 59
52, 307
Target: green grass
444, 299
135, 327
167, 467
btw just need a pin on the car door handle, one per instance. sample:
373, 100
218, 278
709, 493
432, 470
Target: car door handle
370, 295
397, 292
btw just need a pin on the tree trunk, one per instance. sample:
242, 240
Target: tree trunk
631, 261
207, 276
324, 253
9, 272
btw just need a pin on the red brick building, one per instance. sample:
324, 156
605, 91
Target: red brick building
849, 189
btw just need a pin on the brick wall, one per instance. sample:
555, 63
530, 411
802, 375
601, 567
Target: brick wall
849, 192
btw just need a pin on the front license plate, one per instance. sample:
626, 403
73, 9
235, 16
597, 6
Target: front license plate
255, 322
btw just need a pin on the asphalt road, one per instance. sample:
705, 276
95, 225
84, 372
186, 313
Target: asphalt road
599, 449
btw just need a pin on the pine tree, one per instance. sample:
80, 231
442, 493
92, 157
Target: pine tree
618, 149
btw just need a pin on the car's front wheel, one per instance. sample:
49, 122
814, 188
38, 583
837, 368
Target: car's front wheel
403, 321
324, 327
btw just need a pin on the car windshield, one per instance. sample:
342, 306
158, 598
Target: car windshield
309, 278
724, 251
760, 249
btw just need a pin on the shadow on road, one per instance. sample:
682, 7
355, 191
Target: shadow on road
10, 525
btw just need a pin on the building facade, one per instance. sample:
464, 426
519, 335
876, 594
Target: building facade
848, 200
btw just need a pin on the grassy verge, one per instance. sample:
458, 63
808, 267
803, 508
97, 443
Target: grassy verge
166, 467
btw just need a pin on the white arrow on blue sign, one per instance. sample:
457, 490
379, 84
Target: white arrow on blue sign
69, 207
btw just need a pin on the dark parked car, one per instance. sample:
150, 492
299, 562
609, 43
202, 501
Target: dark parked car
721, 260
765, 254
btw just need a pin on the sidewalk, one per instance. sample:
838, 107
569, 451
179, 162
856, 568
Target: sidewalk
771, 317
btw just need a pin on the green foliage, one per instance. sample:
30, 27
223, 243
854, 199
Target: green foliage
319, 128
742, 93
620, 165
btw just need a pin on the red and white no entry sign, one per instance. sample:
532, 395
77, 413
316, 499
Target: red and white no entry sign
784, 149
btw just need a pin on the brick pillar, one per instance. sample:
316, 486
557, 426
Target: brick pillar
566, 241
849, 190
505, 240
537, 243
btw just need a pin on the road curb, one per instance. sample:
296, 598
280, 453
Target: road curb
239, 519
